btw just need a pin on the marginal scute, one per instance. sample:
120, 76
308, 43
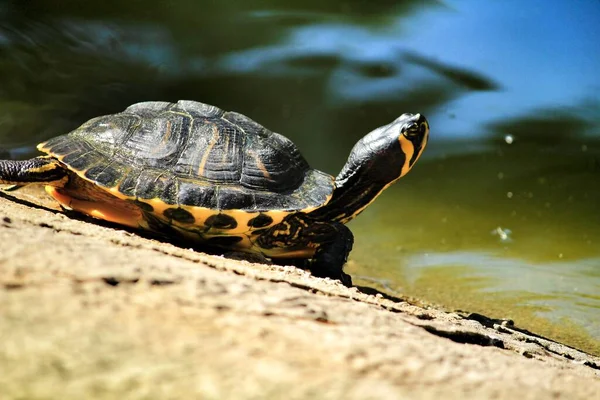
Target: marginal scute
51, 143
156, 184
197, 194
220, 221
61, 148
106, 174
260, 221
169, 190
235, 198
179, 215
79, 162
109, 177
129, 182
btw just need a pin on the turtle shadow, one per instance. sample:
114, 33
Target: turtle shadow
174, 237
371, 291
75, 215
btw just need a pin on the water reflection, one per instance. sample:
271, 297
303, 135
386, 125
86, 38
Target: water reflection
556, 288
326, 73
519, 219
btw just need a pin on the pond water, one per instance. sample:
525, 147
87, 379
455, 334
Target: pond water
500, 216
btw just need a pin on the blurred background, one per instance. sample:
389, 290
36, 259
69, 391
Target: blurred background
501, 214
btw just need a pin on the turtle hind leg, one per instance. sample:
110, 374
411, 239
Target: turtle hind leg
299, 237
36, 170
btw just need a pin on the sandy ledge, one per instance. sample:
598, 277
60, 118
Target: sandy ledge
88, 311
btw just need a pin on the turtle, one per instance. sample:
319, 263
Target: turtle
194, 171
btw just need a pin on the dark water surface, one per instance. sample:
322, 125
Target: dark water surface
502, 214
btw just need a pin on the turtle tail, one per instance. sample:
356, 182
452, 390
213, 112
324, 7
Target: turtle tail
35, 170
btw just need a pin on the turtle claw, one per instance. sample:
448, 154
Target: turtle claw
346, 279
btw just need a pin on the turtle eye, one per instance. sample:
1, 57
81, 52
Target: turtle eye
414, 129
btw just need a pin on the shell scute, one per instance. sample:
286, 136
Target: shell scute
197, 194
153, 184
192, 154
105, 175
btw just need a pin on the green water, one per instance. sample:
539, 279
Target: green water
502, 242
500, 216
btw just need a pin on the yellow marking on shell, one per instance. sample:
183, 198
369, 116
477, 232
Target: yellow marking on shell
130, 215
262, 167
201, 214
225, 146
213, 141
115, 192
180, 113
276, 215
167, 135
158, 205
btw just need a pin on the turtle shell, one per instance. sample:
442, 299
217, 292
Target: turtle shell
194, 155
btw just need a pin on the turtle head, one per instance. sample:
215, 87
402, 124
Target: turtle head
387, 153
376, 161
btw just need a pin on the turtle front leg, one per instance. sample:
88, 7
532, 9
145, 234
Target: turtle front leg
297, 236
36, 170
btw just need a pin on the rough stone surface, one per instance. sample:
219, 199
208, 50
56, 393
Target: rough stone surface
90, 311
